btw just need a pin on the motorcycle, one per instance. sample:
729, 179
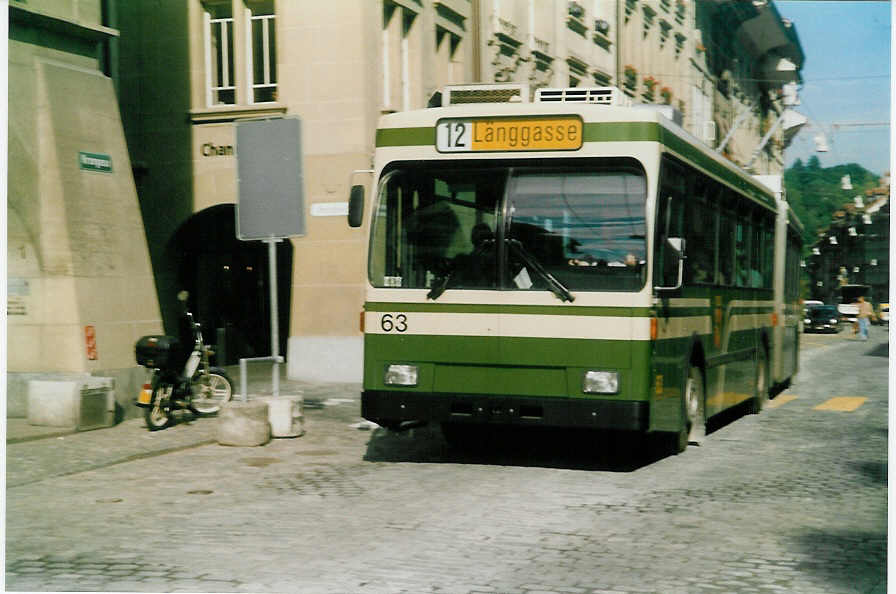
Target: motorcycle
181, 379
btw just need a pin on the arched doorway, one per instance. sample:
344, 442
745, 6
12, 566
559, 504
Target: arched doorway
228, 281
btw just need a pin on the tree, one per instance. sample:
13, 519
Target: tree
814, 192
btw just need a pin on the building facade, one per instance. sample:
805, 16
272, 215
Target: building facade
80, 284
188, 71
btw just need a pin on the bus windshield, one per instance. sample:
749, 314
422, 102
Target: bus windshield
515, 227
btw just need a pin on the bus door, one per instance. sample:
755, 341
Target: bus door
672, 340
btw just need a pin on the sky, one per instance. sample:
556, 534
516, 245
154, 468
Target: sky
846, 79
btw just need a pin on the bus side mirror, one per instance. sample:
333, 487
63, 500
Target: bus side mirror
676, 244
673, 259
356, 206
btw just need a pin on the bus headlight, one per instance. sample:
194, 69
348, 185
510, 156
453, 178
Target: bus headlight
401, 375
601, 382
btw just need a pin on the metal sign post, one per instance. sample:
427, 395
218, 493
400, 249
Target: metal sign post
275, 314
270, 206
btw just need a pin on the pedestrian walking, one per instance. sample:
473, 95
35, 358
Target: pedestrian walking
864, 317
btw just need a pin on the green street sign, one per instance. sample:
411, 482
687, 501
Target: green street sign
95, 162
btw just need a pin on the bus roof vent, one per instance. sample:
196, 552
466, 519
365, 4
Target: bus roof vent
485, 93
666, 111
599, 95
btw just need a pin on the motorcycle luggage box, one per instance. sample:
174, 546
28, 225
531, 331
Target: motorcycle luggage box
156, 351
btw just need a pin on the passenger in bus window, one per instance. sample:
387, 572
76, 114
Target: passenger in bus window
699, 273
700, 237
755, 278
699, 261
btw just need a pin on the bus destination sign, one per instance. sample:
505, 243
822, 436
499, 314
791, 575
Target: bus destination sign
464, 135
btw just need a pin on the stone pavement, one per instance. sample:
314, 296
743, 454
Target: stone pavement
791, 500
64, 451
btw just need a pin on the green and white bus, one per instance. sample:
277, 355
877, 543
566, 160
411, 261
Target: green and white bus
573, 261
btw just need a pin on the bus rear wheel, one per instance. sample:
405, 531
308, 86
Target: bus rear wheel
760, 400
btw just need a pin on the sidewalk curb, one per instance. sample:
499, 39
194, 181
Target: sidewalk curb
131, 458
61, 433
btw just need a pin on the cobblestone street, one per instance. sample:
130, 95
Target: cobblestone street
791, 500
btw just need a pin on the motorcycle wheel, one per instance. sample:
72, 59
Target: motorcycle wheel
210, 392
157, 417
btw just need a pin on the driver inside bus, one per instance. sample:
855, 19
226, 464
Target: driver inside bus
477, 269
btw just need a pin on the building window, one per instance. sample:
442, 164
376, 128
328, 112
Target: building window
219, 80
262, 51
649, 13
601, 78
578, 70
398, 26
449, 68
665, 27
630, 9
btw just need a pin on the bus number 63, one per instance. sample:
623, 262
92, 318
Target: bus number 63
397, 322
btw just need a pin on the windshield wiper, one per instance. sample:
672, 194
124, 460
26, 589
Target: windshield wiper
558, 288
438, 286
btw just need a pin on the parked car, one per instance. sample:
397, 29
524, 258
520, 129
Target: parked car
811, 303
821, 318
883, 316
807, 305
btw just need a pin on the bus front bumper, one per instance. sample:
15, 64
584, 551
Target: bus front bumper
391, 408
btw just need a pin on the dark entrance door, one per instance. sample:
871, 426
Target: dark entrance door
228, 281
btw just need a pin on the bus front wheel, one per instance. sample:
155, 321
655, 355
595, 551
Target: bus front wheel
693, 416
694, 429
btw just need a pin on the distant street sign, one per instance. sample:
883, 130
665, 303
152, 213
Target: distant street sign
329, 209
270, 195
95, 162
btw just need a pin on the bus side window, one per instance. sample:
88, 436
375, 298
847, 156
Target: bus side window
756, 261
699, 238
726, 248
670, 204
768, 252
741, 249
792, 254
